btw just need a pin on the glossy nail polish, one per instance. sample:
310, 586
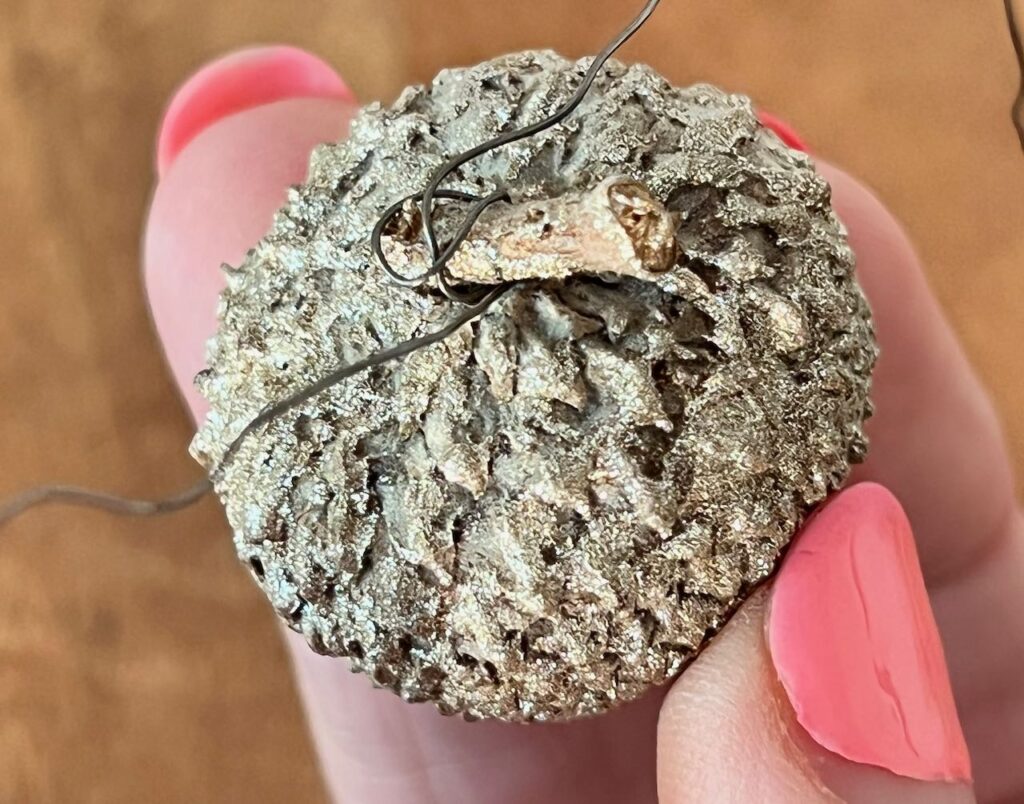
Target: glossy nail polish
855, 644
241, 81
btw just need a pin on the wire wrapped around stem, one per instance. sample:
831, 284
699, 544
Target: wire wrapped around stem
429, 196
479, 298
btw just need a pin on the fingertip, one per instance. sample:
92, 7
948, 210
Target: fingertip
855, 645
239, 81
777, 707
783, 131
725, 731
886, 258
931, 410
212, 206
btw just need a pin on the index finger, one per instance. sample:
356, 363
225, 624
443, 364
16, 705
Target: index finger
935, 440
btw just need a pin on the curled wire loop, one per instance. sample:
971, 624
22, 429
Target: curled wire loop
438, 267
476, 298
426, 200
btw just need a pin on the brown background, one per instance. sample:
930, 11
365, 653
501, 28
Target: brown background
137, 661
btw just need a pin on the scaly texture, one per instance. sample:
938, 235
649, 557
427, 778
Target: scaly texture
556, 507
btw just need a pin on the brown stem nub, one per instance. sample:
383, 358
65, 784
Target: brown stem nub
617, 227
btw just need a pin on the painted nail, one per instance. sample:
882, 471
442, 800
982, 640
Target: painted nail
784, 131
854, 642
241, 81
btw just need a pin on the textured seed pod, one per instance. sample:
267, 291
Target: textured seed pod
556, 507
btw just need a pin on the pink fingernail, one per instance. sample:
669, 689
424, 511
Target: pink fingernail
855, 645
238, 82
784, 131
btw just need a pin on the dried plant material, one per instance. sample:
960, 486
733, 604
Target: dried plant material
553, 509
617, 227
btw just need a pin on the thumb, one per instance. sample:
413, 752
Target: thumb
830, 686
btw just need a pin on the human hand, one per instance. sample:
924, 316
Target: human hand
848, 691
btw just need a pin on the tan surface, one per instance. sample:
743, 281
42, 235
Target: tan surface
137, 661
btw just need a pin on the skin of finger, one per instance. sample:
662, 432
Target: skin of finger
723, 734
728, 734
376, 748
937, 444
981, 613
195, 225
213, 204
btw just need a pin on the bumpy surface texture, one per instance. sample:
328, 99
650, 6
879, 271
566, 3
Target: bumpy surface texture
555, 508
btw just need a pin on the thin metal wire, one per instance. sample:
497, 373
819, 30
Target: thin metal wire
73, 495
1017, 113
427, 198
274, 411
479, 299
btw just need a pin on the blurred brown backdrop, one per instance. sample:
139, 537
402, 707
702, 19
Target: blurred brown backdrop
137, 661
